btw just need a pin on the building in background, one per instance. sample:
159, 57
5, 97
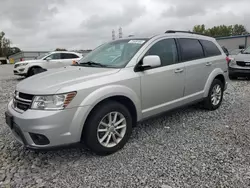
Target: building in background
234, 42
25, 55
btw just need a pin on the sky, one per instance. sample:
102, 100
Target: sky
85, 24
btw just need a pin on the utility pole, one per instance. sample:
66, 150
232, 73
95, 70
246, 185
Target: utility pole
120, 32
113, 34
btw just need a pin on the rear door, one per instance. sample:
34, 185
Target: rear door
68, 58
197, 66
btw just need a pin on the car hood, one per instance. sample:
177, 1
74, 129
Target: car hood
51, 81
242, 57
28, 61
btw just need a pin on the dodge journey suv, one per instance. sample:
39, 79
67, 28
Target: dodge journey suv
98, 101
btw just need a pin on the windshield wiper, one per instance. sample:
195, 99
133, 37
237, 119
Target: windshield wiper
90, 63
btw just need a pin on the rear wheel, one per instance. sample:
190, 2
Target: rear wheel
108, 128
215, 95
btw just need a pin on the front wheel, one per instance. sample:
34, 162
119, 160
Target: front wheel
215, 95
108, 128
34, 70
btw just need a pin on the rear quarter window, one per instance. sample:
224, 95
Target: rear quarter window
191, 49
210, 48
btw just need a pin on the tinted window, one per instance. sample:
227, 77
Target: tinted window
69, 56
55, 56
211, 49
191, 49
166, 50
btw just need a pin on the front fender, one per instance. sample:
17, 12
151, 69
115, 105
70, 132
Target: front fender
110, 91
210, 79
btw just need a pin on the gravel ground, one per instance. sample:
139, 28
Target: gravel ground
189, 147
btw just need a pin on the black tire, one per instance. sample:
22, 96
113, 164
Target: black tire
231, 77
89, 135
34, 70
208, 104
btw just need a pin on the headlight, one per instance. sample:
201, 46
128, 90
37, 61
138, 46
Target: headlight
23, 64
52, 102
232, 62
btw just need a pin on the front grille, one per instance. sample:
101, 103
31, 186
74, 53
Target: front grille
22, 101
26, 96
243, 64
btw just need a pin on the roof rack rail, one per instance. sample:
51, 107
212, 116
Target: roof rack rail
190, 32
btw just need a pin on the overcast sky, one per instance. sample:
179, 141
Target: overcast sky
84, 24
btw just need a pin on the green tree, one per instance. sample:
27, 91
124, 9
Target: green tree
5, 49
60, 49
221, 30
239, 30
4, 44
199, 29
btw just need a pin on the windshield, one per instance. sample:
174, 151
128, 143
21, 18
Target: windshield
115, 54
247, 51
42, 56
235, 52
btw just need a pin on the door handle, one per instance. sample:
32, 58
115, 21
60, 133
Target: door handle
178, 70
208, 64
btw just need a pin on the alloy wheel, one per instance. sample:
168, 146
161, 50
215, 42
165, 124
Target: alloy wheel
111, 129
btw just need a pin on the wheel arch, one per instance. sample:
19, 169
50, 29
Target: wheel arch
215, 74
121, 94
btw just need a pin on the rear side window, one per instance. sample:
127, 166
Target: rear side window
167, 51
191, 49
69, 56
210, 48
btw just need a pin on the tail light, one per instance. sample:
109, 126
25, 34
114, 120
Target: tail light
21, 59
228, 59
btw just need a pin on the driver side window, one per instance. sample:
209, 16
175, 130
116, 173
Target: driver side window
167, 51
54, 56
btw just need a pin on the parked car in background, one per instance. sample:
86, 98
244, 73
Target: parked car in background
4, 60
100, 99
45, 62
239, 66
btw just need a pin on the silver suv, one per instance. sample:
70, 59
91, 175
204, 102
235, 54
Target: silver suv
239, 66
99, 100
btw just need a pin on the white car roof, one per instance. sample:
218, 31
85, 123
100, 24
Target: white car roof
67, 52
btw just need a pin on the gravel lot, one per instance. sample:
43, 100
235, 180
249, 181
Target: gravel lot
189, 147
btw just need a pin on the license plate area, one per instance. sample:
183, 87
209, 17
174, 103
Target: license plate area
9, 120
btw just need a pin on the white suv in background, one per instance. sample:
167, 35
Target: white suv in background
44, 62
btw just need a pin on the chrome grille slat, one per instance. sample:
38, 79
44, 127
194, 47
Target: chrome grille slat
22, 101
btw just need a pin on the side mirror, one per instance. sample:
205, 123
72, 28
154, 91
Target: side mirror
48, 58
151, 61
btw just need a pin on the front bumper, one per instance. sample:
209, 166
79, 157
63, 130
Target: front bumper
22, 70
61, 127
238, 72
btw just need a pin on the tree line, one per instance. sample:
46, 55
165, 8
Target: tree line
221, 30
5, 46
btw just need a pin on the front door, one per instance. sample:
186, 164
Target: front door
162, 87
53, 61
